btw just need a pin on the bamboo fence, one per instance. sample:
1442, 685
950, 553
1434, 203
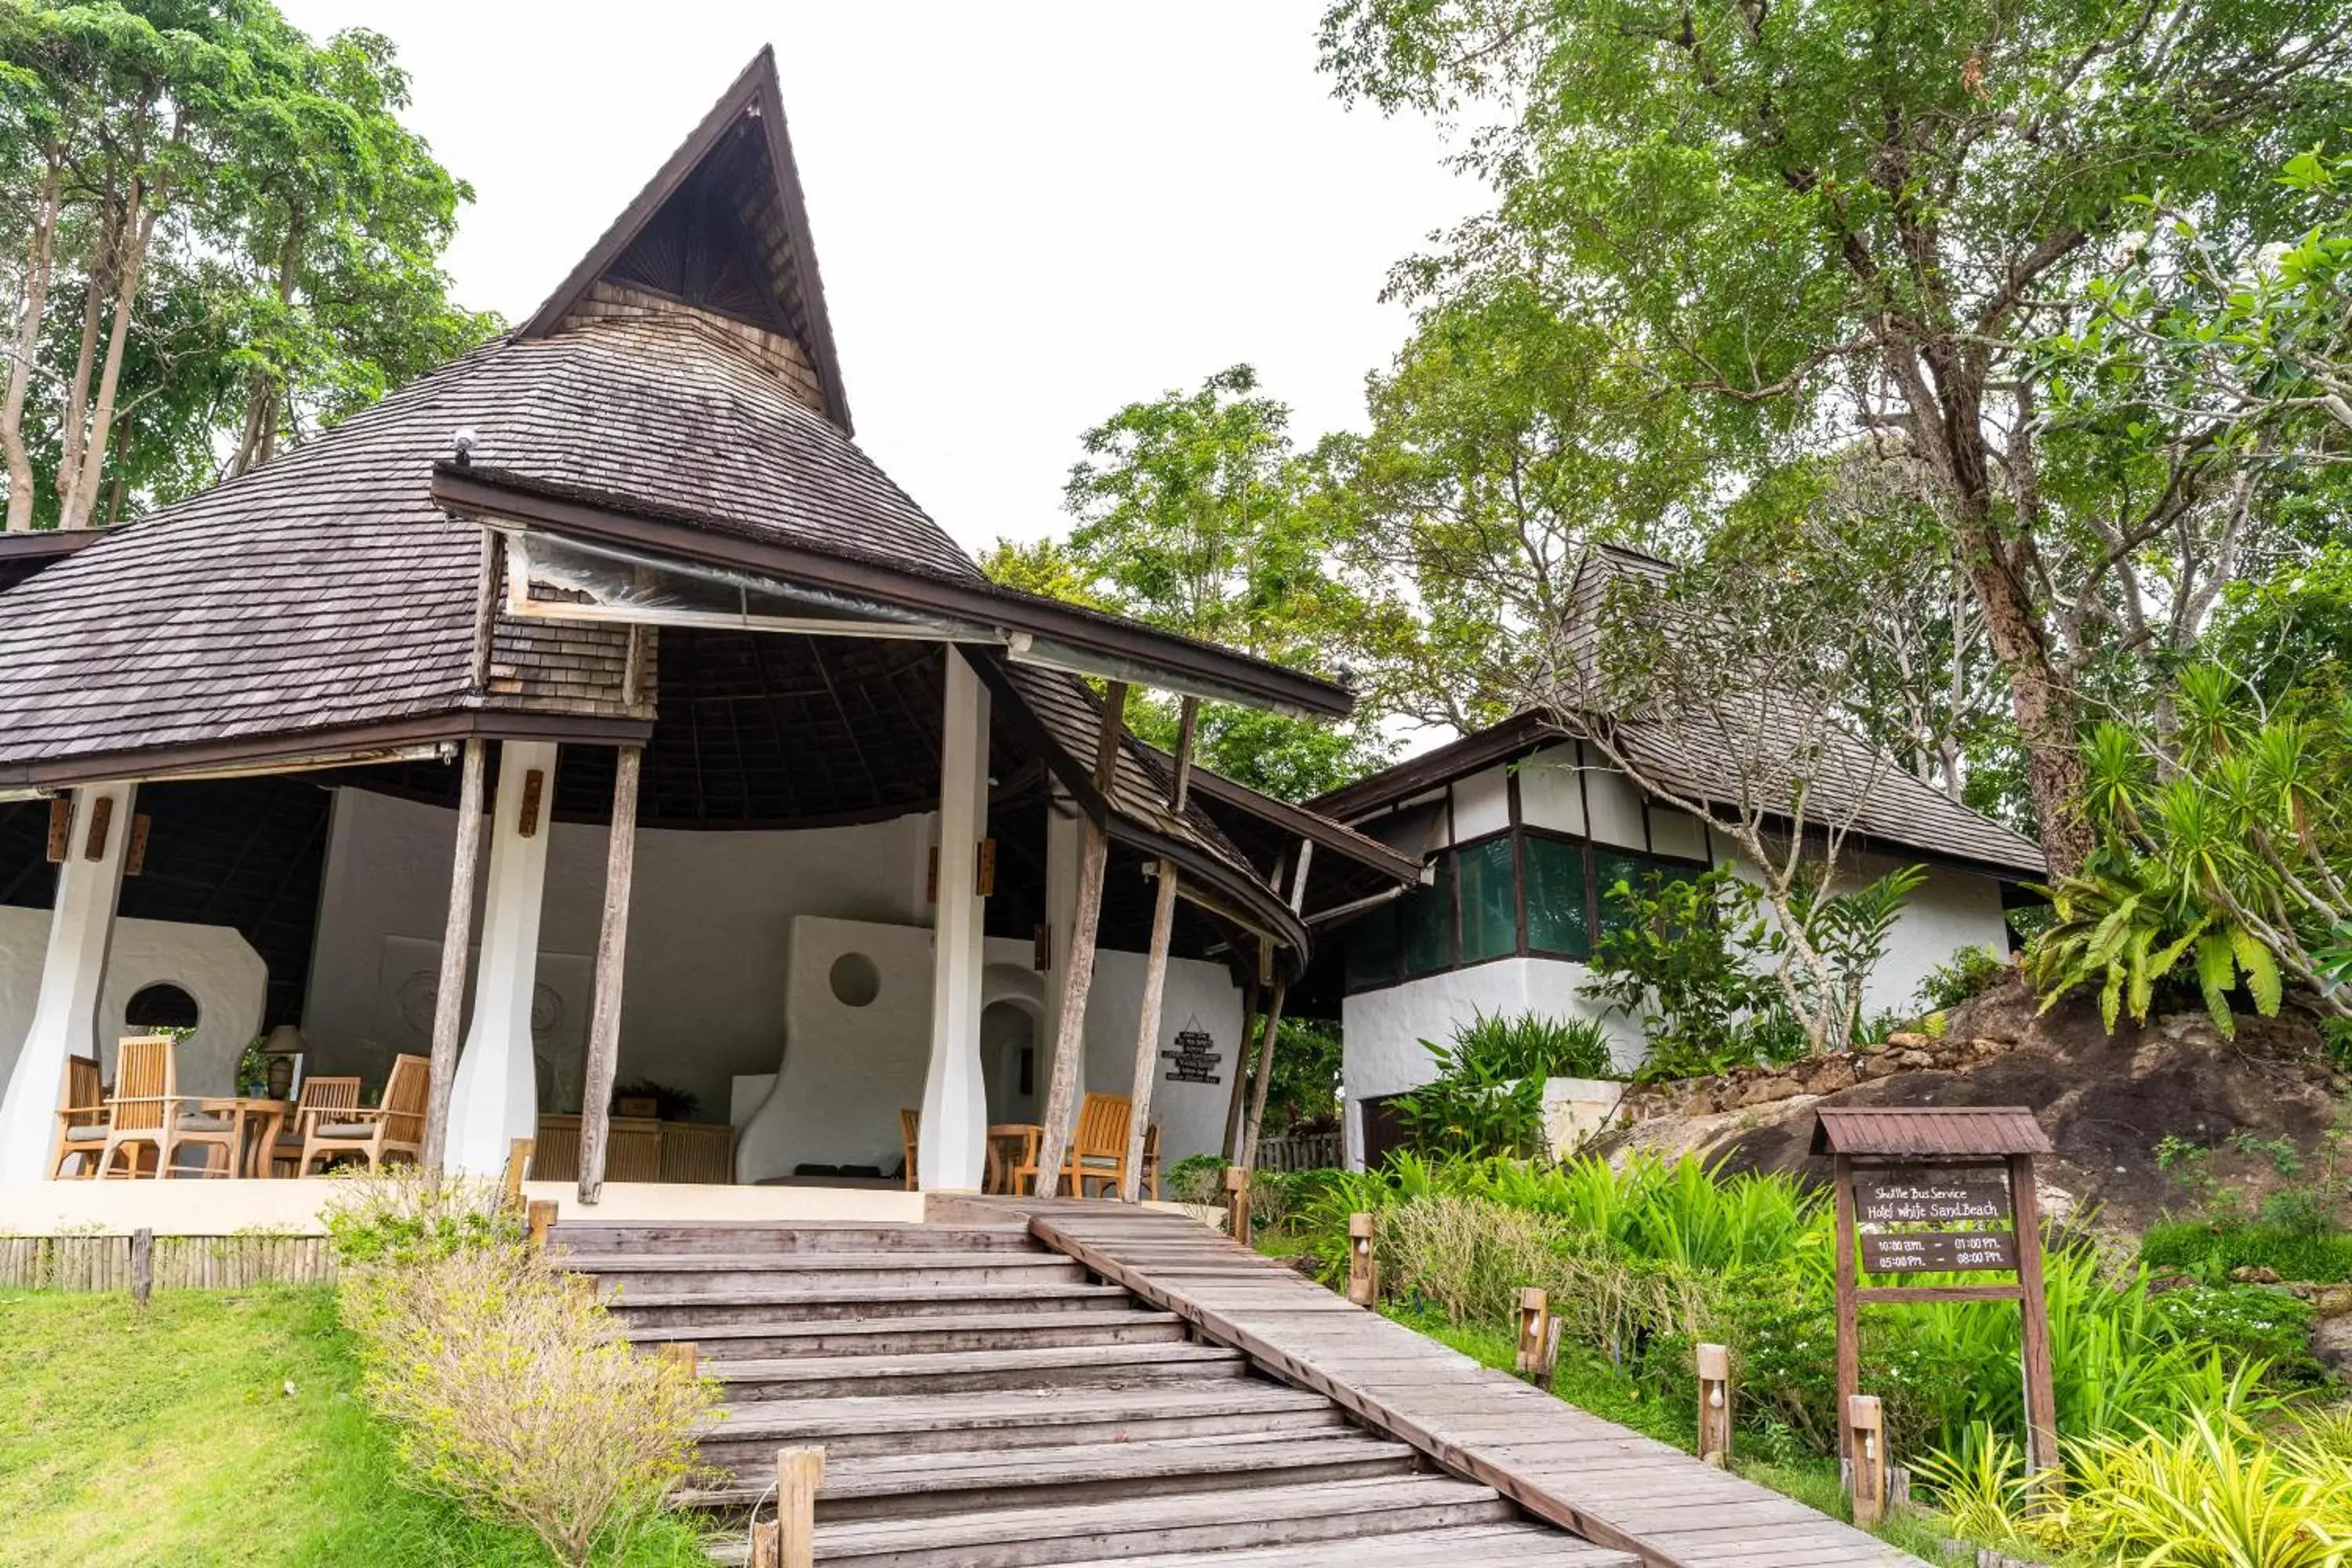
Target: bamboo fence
181, 1262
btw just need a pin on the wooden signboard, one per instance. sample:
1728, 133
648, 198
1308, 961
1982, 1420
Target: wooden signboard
1934, 1191
1940, 1252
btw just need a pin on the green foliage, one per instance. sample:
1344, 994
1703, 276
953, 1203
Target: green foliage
2123, 924
1672, 956
1534, 1045
1972, 972
1474, 1107
2211, 1251
405, 1217
1194, 512
1642, 1262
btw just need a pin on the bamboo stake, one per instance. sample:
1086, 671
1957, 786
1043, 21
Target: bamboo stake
1363, 1261
456, 936
1070, 1038
1714, 1405
1865, 1430
612, 960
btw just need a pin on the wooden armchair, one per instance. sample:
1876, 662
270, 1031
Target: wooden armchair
144, 1112
1151, 1161
82, 1120
395, 1127
321, 1099
911, 1126
1097, 1147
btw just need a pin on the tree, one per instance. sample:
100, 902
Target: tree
242, 235
1194, 512
1825, 219
1724, 690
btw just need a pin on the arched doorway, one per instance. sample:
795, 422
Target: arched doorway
1008, 1061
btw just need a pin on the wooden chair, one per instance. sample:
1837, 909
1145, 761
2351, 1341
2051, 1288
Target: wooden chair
319, 1098
82, 1120
911, 1126
1001, 1174
143, 1112
1097, 1148
1151, 1161
395, 1127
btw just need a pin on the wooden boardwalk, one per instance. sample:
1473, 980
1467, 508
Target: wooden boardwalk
1605, 1483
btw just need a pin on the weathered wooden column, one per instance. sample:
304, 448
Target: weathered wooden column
953, 1152
1155, 974
90, 853
1077, 978
494, 1095
1238, 1100
457, 940
612, 960
1247, 1159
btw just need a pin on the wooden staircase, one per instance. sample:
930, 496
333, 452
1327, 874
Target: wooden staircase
982, 1404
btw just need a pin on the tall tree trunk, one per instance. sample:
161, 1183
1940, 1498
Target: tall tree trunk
74, 423
139, 232
40, 256
259, 442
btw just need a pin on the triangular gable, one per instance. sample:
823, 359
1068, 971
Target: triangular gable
723, 227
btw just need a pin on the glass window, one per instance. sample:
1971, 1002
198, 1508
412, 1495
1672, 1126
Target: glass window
1558, 919
1490, 914
1371, 949
1427, 917
1644, 872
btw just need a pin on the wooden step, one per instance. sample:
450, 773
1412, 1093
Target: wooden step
894, 1485
1196, 1521
785, 1303
749, 1434
693, 1273
596, 1241
919, 1335
1461, 1546
970, 1372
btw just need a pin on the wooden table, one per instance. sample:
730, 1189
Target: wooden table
1002, 1162
253, 1153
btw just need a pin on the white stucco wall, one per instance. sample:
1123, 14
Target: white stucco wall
731, 936
215, 965
710, 917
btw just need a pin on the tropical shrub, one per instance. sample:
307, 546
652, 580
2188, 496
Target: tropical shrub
511, 1391
1487, 1096
1533, 1045
2212, 1250
1972, 972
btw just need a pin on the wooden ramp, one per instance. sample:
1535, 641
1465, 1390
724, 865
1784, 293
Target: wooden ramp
1606, 1484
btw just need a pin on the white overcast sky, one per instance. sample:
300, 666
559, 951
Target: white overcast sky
1027, 213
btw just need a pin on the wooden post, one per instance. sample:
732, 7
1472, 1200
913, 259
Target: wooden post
2033, 1307
612, 957
517, 1166
142, 1266
1147, 1033
798, 1473
1237, 1207
765, 1550
1865, 1438
1237, 1101
682, 1354
1070, 1038
539, 1218
1714, 1405
1849, 1308
1363, 1262
1534, 1333
456, 936
1248, 1161
1155, 973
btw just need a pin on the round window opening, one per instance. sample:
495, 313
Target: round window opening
856, 981
163, 1005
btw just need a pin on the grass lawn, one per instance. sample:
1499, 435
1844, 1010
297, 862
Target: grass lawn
221, 1427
